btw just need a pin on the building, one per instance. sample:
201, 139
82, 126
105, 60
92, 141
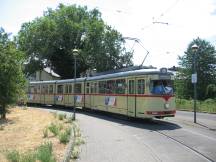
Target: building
43, 75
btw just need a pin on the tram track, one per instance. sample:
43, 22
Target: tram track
190, 148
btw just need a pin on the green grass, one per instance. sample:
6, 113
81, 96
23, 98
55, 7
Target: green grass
208, 105
13, 156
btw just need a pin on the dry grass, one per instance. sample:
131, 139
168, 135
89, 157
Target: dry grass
23, 131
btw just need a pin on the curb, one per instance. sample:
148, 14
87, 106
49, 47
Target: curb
69, 148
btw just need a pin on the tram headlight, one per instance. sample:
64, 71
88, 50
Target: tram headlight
166, 105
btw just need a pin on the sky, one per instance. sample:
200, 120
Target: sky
164, 27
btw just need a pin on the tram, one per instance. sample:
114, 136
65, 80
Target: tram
131, 93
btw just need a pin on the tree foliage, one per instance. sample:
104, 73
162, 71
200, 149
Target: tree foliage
12, 80
205, 58
49, 41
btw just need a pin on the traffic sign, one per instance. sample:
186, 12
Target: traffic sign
194, 78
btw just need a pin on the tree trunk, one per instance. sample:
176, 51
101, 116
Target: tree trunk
3, 112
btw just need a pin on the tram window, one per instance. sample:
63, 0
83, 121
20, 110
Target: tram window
77, 88
120, 86
95, 87
92, 88
102, 86
60, 89
140, 86
43, 89
31, 89
46, 89
38, 89
50, 89
131, 86
70, 89
161, 87
87, 88
66, 89
110, 86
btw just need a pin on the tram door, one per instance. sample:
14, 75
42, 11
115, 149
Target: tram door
93, 95
131, 98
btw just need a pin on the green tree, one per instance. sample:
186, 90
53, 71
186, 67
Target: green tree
206, 69
211, 91
49, 41
12, 82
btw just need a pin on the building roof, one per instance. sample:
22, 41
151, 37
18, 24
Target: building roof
49, 70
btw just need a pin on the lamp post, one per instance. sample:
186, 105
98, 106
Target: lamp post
194, 77
75, 53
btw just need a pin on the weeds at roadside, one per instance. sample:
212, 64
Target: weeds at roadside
28, 157
1, 128
54, 129
13, 156
61, 116
43, 154
78, 140
55, 114
64, 137
45, 132
75, 152
69, 119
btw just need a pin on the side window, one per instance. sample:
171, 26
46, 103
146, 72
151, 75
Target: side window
92, 88
70, 89
77, 88
120, 86
38, 89
140, 86
110, 86
50, 89
131, 87
102, 87
35, 89
32, 89
60, 89
87, 88
43, 89
46, 89
66, 89
96, 87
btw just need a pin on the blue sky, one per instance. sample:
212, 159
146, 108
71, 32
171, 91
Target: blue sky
187, 20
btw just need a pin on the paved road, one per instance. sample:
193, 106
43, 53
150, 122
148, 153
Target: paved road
109, 139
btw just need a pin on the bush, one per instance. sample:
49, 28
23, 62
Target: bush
54, 129
79, 141
68, 130
61, 116
44, 153
69, 119
75, 152
64, 137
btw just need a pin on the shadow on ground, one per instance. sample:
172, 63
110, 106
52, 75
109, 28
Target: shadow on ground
149, 124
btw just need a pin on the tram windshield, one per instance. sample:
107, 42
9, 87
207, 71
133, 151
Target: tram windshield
161, 87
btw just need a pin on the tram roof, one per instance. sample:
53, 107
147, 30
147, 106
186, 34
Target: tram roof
108, 76
130, 73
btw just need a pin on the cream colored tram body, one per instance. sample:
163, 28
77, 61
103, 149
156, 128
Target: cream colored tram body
129, 93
